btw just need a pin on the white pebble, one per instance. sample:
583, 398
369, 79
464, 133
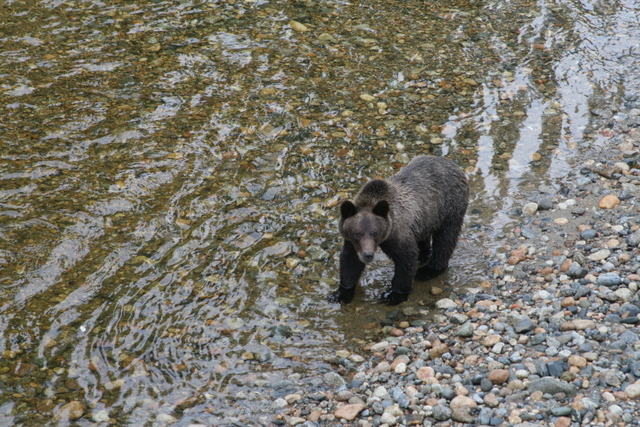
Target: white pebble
381, 393
497, 348
622, 166
530, 208
541, 295
279, 403
356, 358
387, 418
380, 346
401, 368
166, 419
624, 294
394, 410
445, 303
600, 255
101, 416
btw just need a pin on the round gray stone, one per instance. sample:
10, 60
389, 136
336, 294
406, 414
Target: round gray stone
441, 413
552, 386
588, 234
609, 279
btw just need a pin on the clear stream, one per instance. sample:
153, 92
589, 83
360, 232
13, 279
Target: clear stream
170, 174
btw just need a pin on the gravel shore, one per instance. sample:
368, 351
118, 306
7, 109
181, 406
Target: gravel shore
550, 338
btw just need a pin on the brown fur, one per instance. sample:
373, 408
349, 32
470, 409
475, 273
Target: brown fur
415, 217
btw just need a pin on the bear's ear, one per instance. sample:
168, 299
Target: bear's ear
381, 208
348, 209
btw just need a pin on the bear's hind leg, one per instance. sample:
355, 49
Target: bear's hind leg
444, 243
427, 273
424, 247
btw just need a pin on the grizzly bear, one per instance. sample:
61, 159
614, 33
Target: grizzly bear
415, 217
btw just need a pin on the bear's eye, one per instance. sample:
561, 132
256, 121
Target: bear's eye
375, 235
358, 235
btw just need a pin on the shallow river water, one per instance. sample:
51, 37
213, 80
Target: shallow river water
170, 174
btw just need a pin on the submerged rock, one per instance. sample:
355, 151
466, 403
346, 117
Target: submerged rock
70, 412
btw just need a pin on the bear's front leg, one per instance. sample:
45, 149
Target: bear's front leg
404, 253
350, 271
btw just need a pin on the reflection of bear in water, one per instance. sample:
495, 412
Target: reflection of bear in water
415, 217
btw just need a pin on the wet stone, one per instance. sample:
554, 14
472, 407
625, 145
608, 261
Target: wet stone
633, 391
576, 271
588, 234
629, 337
528, 233
466, 330
334, 379
349, 412
486, 385
609, 279
578, 211
400, 397
24, 369
463, 415
609, 202
388, 419
624, 294
613, 318
499, 376
633, 239
552, 386
618, 345
538, 339
70, 412
525, 325
545, 203
441, 413
629, 310
625, 195
561, 411
281, 331
458, 318
530, 208
448, 393
600, 255
556, 368
44, 406
101, 416
610, 378
414, 419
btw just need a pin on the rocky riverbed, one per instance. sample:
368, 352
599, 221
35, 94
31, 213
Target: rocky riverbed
551, 336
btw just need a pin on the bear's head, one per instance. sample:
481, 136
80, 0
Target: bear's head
366, 228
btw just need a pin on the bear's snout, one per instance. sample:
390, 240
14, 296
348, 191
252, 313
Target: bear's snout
368, 257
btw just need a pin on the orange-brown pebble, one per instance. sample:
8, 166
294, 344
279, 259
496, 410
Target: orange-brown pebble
609, 202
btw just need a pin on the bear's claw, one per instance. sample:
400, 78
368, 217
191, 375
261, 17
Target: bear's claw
393, 298
342, 295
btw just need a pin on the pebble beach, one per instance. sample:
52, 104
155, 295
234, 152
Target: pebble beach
551, 336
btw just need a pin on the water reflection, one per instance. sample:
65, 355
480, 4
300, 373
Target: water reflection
171, 174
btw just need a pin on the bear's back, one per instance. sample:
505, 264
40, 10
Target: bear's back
430, 191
